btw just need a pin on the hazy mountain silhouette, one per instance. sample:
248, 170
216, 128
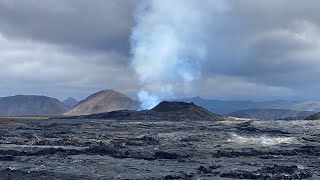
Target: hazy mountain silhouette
31, 105
70, 102
226, 107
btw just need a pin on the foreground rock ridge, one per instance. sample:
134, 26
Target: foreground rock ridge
103, 101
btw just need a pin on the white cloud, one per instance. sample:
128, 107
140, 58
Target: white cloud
28, 64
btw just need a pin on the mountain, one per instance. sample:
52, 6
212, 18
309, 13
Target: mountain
165, 111
226, 107
270, 114
103, 101
70, 102
315, 116
31, 105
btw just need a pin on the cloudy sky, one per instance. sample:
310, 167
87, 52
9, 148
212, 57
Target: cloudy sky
256, 49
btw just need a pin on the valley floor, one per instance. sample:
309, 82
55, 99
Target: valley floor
113, 149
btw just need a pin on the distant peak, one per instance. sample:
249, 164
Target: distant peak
103, 101
70, 102
70, 99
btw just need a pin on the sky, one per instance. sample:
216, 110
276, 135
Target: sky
259, 50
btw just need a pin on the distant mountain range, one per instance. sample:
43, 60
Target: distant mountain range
110, 100
31, 105
269, 114
226, 107
103, 101
70, 102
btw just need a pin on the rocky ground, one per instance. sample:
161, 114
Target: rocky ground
153, 149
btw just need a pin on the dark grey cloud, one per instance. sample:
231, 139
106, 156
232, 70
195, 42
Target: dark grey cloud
65, 48
270, 44
91, 24
257, 49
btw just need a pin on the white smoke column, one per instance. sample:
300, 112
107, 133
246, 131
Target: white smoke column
168, 45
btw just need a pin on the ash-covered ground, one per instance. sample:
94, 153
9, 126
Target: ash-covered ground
83, 148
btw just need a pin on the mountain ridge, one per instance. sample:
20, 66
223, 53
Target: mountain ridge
226, 107
71, 102
31, 105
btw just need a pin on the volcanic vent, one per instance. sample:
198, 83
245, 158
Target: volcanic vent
168, 111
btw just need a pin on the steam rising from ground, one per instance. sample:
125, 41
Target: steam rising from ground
168, 45
263, 140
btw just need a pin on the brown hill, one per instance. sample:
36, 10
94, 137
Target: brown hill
103, 101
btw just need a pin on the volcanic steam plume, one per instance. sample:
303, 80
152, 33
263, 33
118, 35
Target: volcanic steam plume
169, 45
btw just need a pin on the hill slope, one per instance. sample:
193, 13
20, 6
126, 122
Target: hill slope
31, 105
70, 102
103, 101
226, 107
270, 114
315, 116
165, 111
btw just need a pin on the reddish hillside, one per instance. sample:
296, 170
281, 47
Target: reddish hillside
103, 101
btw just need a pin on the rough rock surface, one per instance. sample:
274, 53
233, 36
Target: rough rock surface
270, 114
159, 149
103, 101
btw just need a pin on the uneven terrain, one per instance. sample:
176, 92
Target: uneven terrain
270, 114
159, 149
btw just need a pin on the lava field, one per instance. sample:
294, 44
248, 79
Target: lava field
88, 148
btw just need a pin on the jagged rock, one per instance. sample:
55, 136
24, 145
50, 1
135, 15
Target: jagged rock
273, 173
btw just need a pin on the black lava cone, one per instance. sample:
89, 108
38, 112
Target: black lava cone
170, 111
167, 106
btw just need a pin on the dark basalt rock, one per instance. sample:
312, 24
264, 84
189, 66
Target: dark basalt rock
182, 176
249, 152
7, 158
271, 173
166, 155
207, 170
163, 147
7, 174
167, 106
248, 128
